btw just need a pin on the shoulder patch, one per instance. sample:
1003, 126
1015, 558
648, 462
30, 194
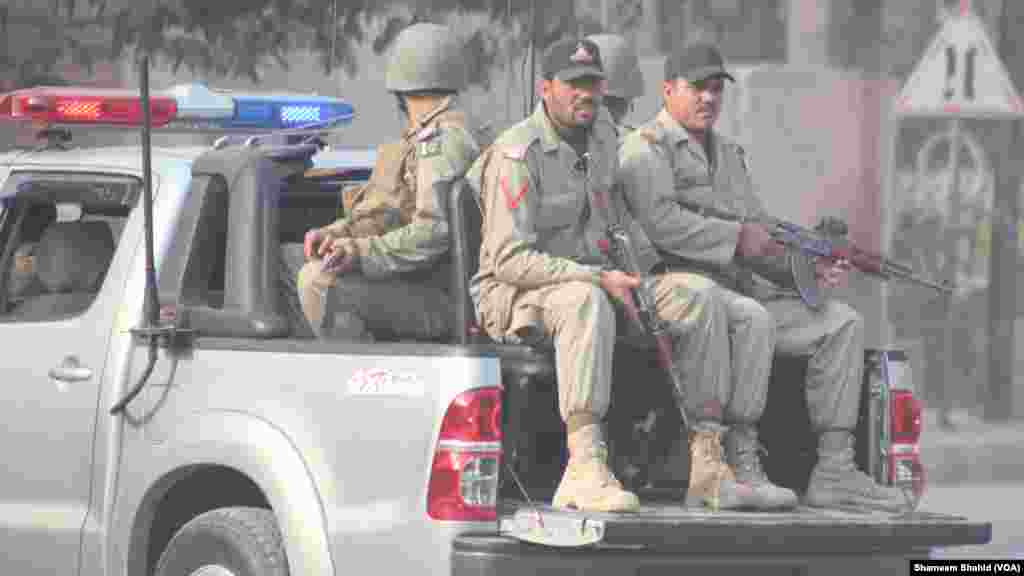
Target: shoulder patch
741, 153
427, 133
515, 142
648, 133
429, 148
515, 152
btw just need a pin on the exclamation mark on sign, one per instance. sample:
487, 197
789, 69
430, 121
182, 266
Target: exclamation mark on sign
969, 74
950, 72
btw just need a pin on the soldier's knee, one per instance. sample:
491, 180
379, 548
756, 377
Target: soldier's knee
701, 290
592, 302
762, 321
753, 314
305, 277
846, 318
708, 299
693, 295
312, 278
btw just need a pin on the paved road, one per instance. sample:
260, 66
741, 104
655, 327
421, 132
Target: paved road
1001, 504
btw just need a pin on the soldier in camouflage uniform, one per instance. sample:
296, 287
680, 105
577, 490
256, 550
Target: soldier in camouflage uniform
385, 258
677, 157
624, 80
548, 192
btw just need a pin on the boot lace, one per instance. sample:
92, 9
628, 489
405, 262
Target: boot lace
709, 445
748, 463
596, 459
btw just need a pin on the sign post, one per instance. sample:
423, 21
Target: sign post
959, 76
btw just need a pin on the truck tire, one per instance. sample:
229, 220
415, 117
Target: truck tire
226, 542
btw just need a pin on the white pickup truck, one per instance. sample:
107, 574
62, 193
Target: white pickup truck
253, 449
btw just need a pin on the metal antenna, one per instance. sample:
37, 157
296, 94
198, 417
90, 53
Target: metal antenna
334, 39
530, 83
522, 490
150, 330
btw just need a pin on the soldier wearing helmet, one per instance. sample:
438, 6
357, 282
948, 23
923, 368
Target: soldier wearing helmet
624, 80
380, 267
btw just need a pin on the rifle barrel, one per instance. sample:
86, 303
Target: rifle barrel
816, 244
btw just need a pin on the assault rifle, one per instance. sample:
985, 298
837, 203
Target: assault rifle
619, 249
828, 240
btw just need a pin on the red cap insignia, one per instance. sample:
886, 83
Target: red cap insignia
582, 55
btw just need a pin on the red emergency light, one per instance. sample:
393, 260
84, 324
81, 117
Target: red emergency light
62, 105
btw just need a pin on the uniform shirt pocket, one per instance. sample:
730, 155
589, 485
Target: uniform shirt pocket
685, 179
556, 224
557, 211
693, 187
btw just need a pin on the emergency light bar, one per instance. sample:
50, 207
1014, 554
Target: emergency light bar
61, 105
186, 107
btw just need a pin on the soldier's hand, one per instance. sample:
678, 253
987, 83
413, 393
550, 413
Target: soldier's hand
620, 285
337, 260
831, 274
755, 241
313, 243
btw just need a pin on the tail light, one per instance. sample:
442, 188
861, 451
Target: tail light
906, 417
905, 468
464, 475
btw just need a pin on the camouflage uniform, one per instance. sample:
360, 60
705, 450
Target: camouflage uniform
663, 165
397, 226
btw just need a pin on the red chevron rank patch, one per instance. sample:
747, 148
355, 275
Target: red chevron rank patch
512, 201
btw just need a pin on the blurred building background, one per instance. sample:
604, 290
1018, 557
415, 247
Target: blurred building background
813, 106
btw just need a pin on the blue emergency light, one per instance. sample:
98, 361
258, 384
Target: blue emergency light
221, 110
186, 107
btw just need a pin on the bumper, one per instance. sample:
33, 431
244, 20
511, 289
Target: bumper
488, 555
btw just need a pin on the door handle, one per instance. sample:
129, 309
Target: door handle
70, 370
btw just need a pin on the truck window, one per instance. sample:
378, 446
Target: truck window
203, 281
59, 233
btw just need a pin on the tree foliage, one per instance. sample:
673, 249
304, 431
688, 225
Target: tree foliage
239, 37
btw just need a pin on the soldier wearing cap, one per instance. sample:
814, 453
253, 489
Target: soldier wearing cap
379, 267
548, 193
624, 80
678, 159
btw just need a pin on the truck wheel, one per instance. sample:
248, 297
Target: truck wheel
226, 542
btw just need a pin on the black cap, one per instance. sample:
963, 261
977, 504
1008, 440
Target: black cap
569, 59
695, 62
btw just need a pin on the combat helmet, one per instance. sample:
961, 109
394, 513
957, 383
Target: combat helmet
621, 66
426, 56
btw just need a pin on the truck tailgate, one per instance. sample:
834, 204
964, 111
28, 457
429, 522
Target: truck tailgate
674, 527
663, 538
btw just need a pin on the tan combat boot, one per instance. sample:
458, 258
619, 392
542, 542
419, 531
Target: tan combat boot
587, 483
712, 482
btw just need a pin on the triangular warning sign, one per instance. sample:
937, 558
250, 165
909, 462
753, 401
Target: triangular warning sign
960, 74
